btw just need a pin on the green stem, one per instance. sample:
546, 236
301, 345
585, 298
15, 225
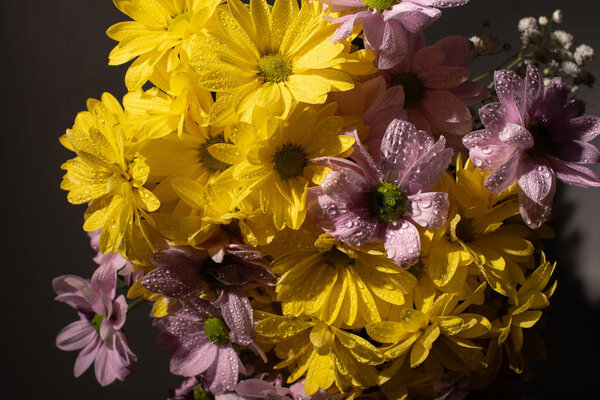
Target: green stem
136, 303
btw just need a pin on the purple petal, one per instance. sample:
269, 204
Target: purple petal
516, 135
495, 116
223, 374
533, 214
402, 243
443, 3
511, 92
576, 152
583, 128
470, 92
487, 151
534, 89
536, 179
555, 97
394, 45
76, 335
429, 210
193, 357
401, 147
238, 316
574, 174
459, 50
504, 176
344, 30
109, 365
364, 160
428, 170
418, 21
176, 255
345, 185
351, 225
86, 356
104, 280
180, 281
76, 292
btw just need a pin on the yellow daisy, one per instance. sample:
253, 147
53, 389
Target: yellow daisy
156, 32
341, 286
270, 57
324, 353
279, 165
109, 174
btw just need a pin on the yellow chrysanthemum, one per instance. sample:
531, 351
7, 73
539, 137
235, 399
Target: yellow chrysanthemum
270, 57
324, 353
480, 232
341, 286
155, 35
110, 174
279, 165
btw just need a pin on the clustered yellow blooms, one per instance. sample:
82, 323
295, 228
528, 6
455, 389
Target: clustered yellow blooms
225, 145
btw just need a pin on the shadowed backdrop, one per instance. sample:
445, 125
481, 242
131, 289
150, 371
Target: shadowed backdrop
55, 56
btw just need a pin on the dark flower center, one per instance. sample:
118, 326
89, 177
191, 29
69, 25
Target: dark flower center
541, 138
465, 231
337, 258
216, 330
290, 160
386, 202
381, 5
274, 68
207, 160
417, 270
414, 88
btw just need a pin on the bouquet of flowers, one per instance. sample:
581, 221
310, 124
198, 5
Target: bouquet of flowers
319, 204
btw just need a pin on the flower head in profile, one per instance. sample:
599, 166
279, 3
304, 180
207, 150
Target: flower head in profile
437, 89
156, 33
387, 24
269, 57
531, 136
200, 338
368, 202
97, 335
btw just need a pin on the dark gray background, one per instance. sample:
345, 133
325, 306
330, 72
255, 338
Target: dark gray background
54, 56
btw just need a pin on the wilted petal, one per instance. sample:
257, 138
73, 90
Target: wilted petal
402, 243
429, 210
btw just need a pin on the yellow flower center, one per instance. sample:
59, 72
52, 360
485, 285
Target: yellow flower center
337, 258
381, 5
290, 160
207, 160
173, 22
274, 68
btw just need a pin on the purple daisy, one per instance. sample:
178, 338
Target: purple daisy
199, 336
368, 202
532, 136
113, 260
387, 24
97, 335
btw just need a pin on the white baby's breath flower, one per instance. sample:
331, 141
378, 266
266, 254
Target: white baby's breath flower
557, 16
570, 68
543, 21
527, 24
562, 39
478, 44
583, 53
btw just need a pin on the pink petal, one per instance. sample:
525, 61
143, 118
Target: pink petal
373, 28
415, 117
76, 335
495, 116
487, 151
576, 152
86, 356
191, 360
510, 88
429, 210
401, 10
237, 314
533, 214
583, 128
382, 112
470, 92
428, 170
505, 175
417, 22
443, 106
516, 135
364, 159
344, 30
104, 280
223, 375
351, 225
345, 185
394, 45
402, 243
555, 97
443, 3
574, 174
459, 50
427, 58
443, 77
534, 89
536, 179
401, 147
119, 313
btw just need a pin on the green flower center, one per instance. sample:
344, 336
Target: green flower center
337, 258
201, 394
541, 138
381, 5
177, 18
290, 160
97, 321
414, 88
216, 330
207, 160
274, 68
386, 201
465, 231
